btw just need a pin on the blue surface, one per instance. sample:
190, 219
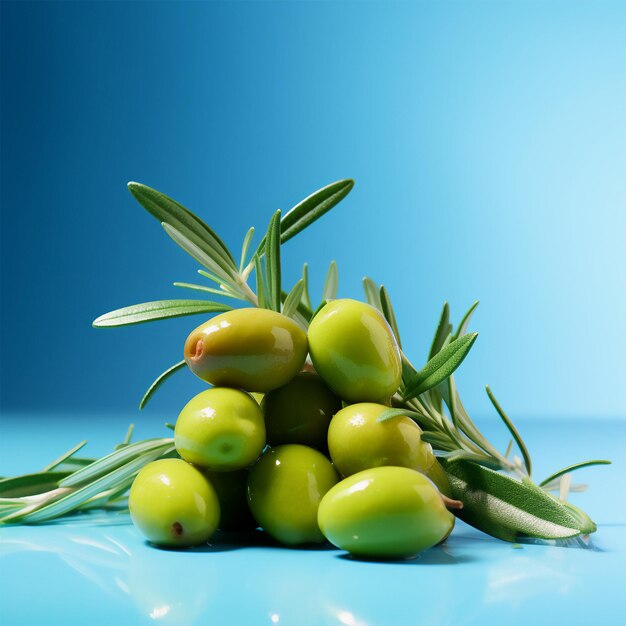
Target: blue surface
487, 140
100, 571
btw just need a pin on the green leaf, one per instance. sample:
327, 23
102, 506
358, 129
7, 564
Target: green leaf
217, 292
508, 509
216, 266
244, 249
572, 468
261, 288
331, 283
161, 378
390, 316
65, 456
509, 424
372, 294
165, 209
306, 298
292, 301
465, 321
77, 498
30, 484
112, 461
311, 209
440, 366
272, 262
157, 310
444, 328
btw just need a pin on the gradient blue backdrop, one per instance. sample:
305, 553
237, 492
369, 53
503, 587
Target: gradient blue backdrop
487, 140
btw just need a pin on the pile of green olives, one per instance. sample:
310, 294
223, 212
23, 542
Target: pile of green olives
286, 439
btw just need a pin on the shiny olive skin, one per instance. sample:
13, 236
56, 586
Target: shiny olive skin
231, 489
354, 350
220, 429
300, 412
252, 349
173, 504
284, 491
356, 441
384, 512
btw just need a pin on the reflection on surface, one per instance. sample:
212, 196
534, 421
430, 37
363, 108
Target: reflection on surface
248, 579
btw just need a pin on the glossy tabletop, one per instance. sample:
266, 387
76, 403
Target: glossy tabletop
98, 570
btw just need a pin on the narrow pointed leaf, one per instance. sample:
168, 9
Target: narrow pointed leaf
157, 310
443, 330
65, 456
165, 209
306, 298
509, 424
462, 329
508, 509
331, 283
261, 288
390, 316
311, 209
30, 484
217, 292
245, 247
572, 468
292, 301
440, 366
272, 262
161, 378
216, 266
372, 294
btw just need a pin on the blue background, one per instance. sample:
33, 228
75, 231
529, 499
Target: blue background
487, 141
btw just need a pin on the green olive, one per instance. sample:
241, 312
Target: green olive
300, 412
356, 441
231, 488
220, 429
251, 349
173, 504
284, 491
354, 350
384, 512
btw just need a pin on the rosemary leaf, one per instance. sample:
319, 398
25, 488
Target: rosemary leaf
440, 366
217, 292
331, 283
272, 262
509, 424
30, 484
443, 330
165, 209
160, 379
372, 294
113, 460
293, 300
157, 310
389, 314
244, 249
213, 264
572, 468
465, 321
65, 456
306, 298
261, 287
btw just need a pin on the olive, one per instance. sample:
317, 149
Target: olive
231, 490
220, 429
355, 351
173, 504
251, 349
284, 490
300, 412
356, 441
384, 512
